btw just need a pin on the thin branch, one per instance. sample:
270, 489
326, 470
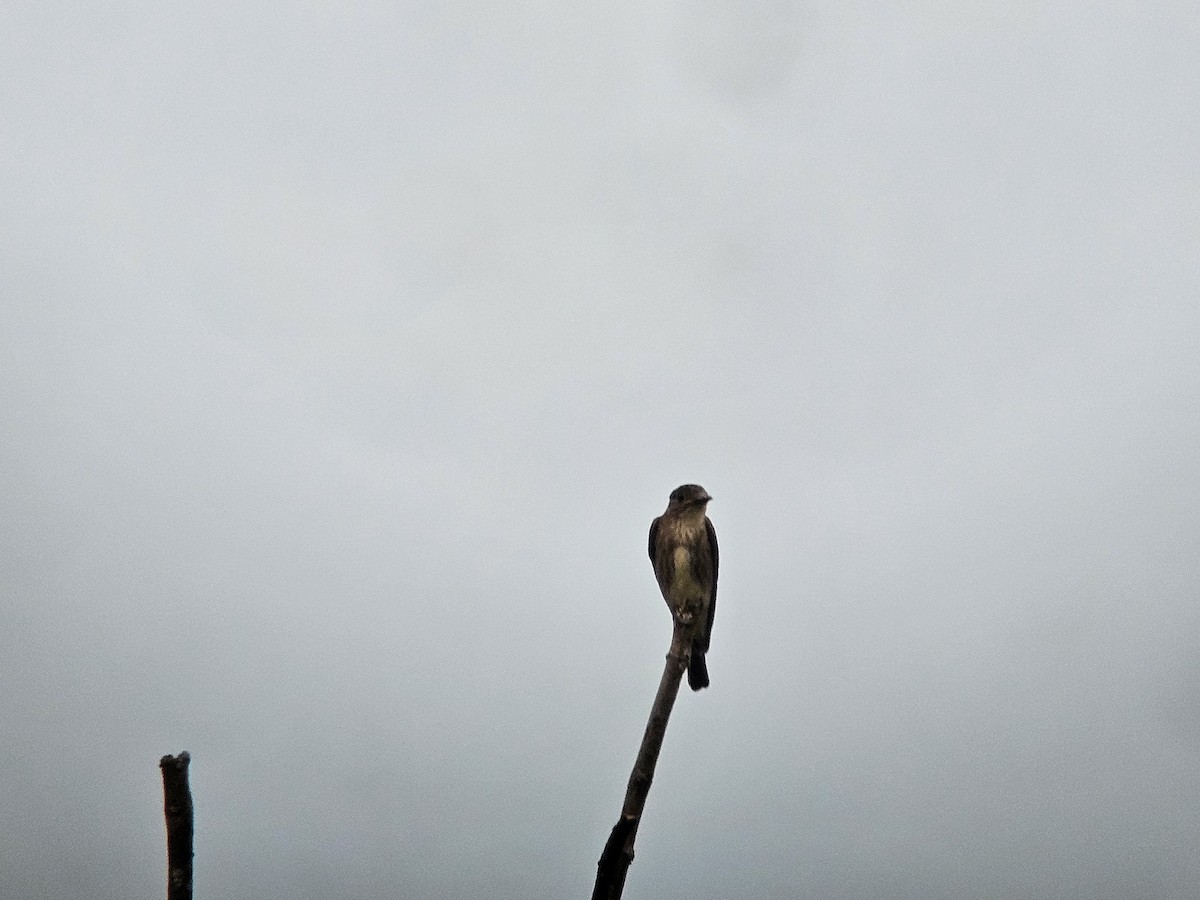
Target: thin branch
177, 805
618, 850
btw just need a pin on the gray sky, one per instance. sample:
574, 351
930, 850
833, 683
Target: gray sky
349, 350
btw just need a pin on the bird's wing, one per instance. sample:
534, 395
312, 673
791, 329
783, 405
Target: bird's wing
653, 537
712, 600
712, 548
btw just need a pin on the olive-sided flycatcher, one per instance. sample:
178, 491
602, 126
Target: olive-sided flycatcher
683, 549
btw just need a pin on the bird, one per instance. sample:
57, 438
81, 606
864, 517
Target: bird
683, 551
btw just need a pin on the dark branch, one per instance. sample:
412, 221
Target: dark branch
618, 850
177, 804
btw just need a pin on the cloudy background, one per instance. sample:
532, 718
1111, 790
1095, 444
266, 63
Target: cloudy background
349, 349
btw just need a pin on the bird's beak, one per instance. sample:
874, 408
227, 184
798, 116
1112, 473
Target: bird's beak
707, 496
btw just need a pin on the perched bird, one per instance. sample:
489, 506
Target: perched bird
683, 550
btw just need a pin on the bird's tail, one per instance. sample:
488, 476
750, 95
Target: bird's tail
697, 670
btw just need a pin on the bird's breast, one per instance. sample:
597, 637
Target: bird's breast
683, 581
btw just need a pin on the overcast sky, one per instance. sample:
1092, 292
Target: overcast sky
349, 349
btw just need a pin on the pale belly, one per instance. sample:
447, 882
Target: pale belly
683, 586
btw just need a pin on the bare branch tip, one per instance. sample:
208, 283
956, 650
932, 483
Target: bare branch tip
179, 762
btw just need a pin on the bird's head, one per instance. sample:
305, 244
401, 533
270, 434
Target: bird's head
690, 496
